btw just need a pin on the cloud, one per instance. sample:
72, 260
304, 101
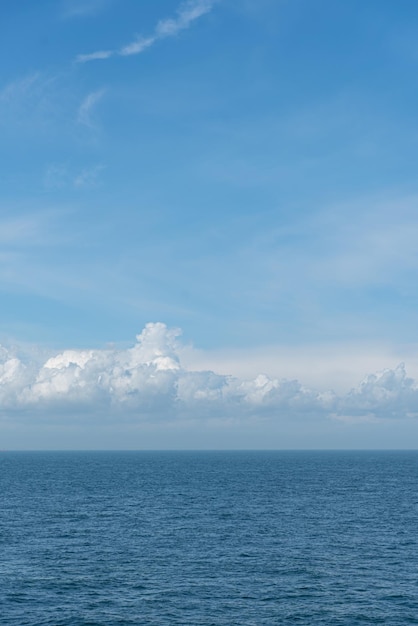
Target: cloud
147, 379
148, 382
29, 243
387, 394
88, 177
85, 110
187, 13
137, 46
20, 88
55, 176
30, 93
82, 8
100, 54
371, 249
24, 230
337, 365
33, 103
60, 176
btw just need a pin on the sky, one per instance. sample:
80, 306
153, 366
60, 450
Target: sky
208, 224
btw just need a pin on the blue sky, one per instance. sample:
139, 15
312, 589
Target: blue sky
244, 171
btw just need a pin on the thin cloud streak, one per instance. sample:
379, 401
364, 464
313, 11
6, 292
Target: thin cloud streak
19, 88
82, 8
86, 107
187, 13
88, 177
101, 54
138, 46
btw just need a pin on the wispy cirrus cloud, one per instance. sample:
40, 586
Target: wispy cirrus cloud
99, 55
82, 8
55, 176
28, 230
34, 100
88, 177
19, 231
59, 176
85, 110
187, 13
33, 91
20, 87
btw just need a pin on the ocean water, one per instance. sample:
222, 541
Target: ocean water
208, 538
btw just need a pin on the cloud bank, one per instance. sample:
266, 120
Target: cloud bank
187, 13
148, 382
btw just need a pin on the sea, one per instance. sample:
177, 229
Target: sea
208, 538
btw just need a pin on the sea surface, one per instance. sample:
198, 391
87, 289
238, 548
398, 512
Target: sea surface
208, 538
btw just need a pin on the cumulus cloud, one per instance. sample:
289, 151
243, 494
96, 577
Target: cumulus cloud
187, 13
387, 394
149, 382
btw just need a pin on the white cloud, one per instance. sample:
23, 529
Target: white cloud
33, 102
55, 176
20, 88
28, 95
187, 13
85, 110
93, 56
149, 382
60, 176
24, 230
88, 177
389, 393
337, 365
82, 8
137, 46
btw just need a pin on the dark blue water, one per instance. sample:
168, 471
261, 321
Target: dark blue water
241, 538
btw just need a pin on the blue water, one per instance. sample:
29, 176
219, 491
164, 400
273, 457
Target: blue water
208, 538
